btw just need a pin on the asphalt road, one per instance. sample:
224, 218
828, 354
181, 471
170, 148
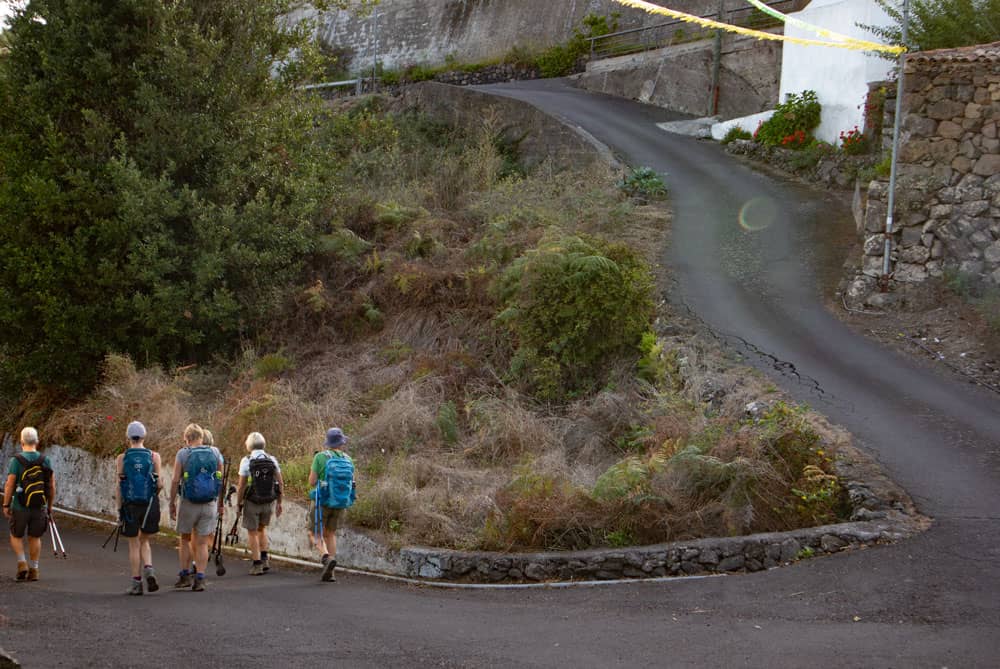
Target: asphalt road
931, 601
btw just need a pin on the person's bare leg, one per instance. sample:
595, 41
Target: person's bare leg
203, 542
184, 552
135, 556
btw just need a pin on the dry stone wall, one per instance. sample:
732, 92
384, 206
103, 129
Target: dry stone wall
947, 214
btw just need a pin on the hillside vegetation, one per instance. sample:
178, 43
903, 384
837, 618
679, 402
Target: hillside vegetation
491, 340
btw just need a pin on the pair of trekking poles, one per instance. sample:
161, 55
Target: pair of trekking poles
56, 538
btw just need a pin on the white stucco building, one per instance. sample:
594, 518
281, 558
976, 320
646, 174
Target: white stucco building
839, 76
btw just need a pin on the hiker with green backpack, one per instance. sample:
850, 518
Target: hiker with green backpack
259, 495
198, 480
333, 490
28, 495
138, 497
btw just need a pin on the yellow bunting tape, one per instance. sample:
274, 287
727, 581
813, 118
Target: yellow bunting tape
854, 45
791, 20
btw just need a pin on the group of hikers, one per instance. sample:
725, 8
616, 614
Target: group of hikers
196, 497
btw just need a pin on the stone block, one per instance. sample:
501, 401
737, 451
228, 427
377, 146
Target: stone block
987, 165
935, 269
691, 568
974, 209
948, 195
911, 236
991, 253
917, 255
990, 145
709, 556
921, 126
942, 211
946, 109
927, 240
995, 277
914, 150
973, 125
990, 130
535, 572
874, 245
949, 130
790, 549
973, 110
831, 543
754, 565
965, 93
875, 214
872, 266
962, 165
968, 149
910, 273
971, 267
732, 563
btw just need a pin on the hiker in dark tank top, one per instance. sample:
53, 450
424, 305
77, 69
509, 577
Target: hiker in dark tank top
28, 496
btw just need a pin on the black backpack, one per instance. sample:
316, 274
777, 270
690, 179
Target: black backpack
263, 481
33, 485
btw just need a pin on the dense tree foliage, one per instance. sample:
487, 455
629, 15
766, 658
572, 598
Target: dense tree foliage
158, 180
941, 24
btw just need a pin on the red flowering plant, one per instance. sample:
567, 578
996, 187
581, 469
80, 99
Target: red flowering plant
853, 142
796, 140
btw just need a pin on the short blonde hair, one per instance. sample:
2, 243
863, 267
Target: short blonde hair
207, 437
255, 440
193, 433
29, 436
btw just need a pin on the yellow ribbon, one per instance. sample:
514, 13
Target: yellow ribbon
791, 20
853, 45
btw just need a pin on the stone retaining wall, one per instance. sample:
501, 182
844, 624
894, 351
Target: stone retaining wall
834, 169
948, 189
494, 74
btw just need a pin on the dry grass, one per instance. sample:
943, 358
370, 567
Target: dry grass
396, 344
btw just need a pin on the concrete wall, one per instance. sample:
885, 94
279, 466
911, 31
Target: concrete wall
680, 77
413, 32
839, 77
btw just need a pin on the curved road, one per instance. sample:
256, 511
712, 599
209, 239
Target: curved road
932, 601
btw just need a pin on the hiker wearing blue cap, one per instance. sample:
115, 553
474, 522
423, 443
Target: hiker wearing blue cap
331, 480
138, 496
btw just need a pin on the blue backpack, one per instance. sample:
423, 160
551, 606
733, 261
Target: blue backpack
336, 490
201, 476
138, 480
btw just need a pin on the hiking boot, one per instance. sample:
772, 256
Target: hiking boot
150, 574
22, 571
266, 566
257, 569
184, 581
328, 568
33, 574
135, 588
198, 585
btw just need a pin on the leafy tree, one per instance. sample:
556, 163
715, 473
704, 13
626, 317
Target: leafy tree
941, 24
159, 185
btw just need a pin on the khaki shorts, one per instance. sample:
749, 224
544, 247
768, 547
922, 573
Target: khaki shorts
256, 516
198, 518
330, 518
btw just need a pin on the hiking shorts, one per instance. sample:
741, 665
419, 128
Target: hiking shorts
30, 521
257, 516
198, 518
136, 513
330, 518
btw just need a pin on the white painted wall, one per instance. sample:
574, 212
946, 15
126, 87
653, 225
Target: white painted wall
839, 77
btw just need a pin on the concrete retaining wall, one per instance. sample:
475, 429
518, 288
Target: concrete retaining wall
411, 32
680, 77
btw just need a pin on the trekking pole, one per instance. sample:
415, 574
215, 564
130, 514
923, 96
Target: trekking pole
57, 537
52, 533
114, 533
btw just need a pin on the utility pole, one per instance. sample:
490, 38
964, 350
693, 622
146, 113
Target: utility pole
884, 279
713, 100
375, 49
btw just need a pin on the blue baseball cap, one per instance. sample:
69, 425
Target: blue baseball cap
335, 437
135, 430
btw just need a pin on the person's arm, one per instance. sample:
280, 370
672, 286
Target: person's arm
52, 484
119, 470
313, 476
8, 494
240, 489
281, 489
174, 486
219, 468
157, 471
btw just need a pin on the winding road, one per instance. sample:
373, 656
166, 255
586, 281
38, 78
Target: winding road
750, 255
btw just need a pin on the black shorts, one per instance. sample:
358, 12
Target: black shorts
32, 521
134, 515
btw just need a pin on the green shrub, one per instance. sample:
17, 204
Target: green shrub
273, 364
447, 423
736, 132
572, 302
645, 182
798, 113
561, 59
940, 24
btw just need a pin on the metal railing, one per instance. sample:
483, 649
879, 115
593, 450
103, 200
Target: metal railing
356, 83
660, 35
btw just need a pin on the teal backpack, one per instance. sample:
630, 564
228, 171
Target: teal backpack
201, 476
336, 490
138, 479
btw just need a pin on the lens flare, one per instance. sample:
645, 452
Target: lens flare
757, 214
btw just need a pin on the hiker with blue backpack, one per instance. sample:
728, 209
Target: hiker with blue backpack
333, 490
259, 495
198, 481
138, 497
